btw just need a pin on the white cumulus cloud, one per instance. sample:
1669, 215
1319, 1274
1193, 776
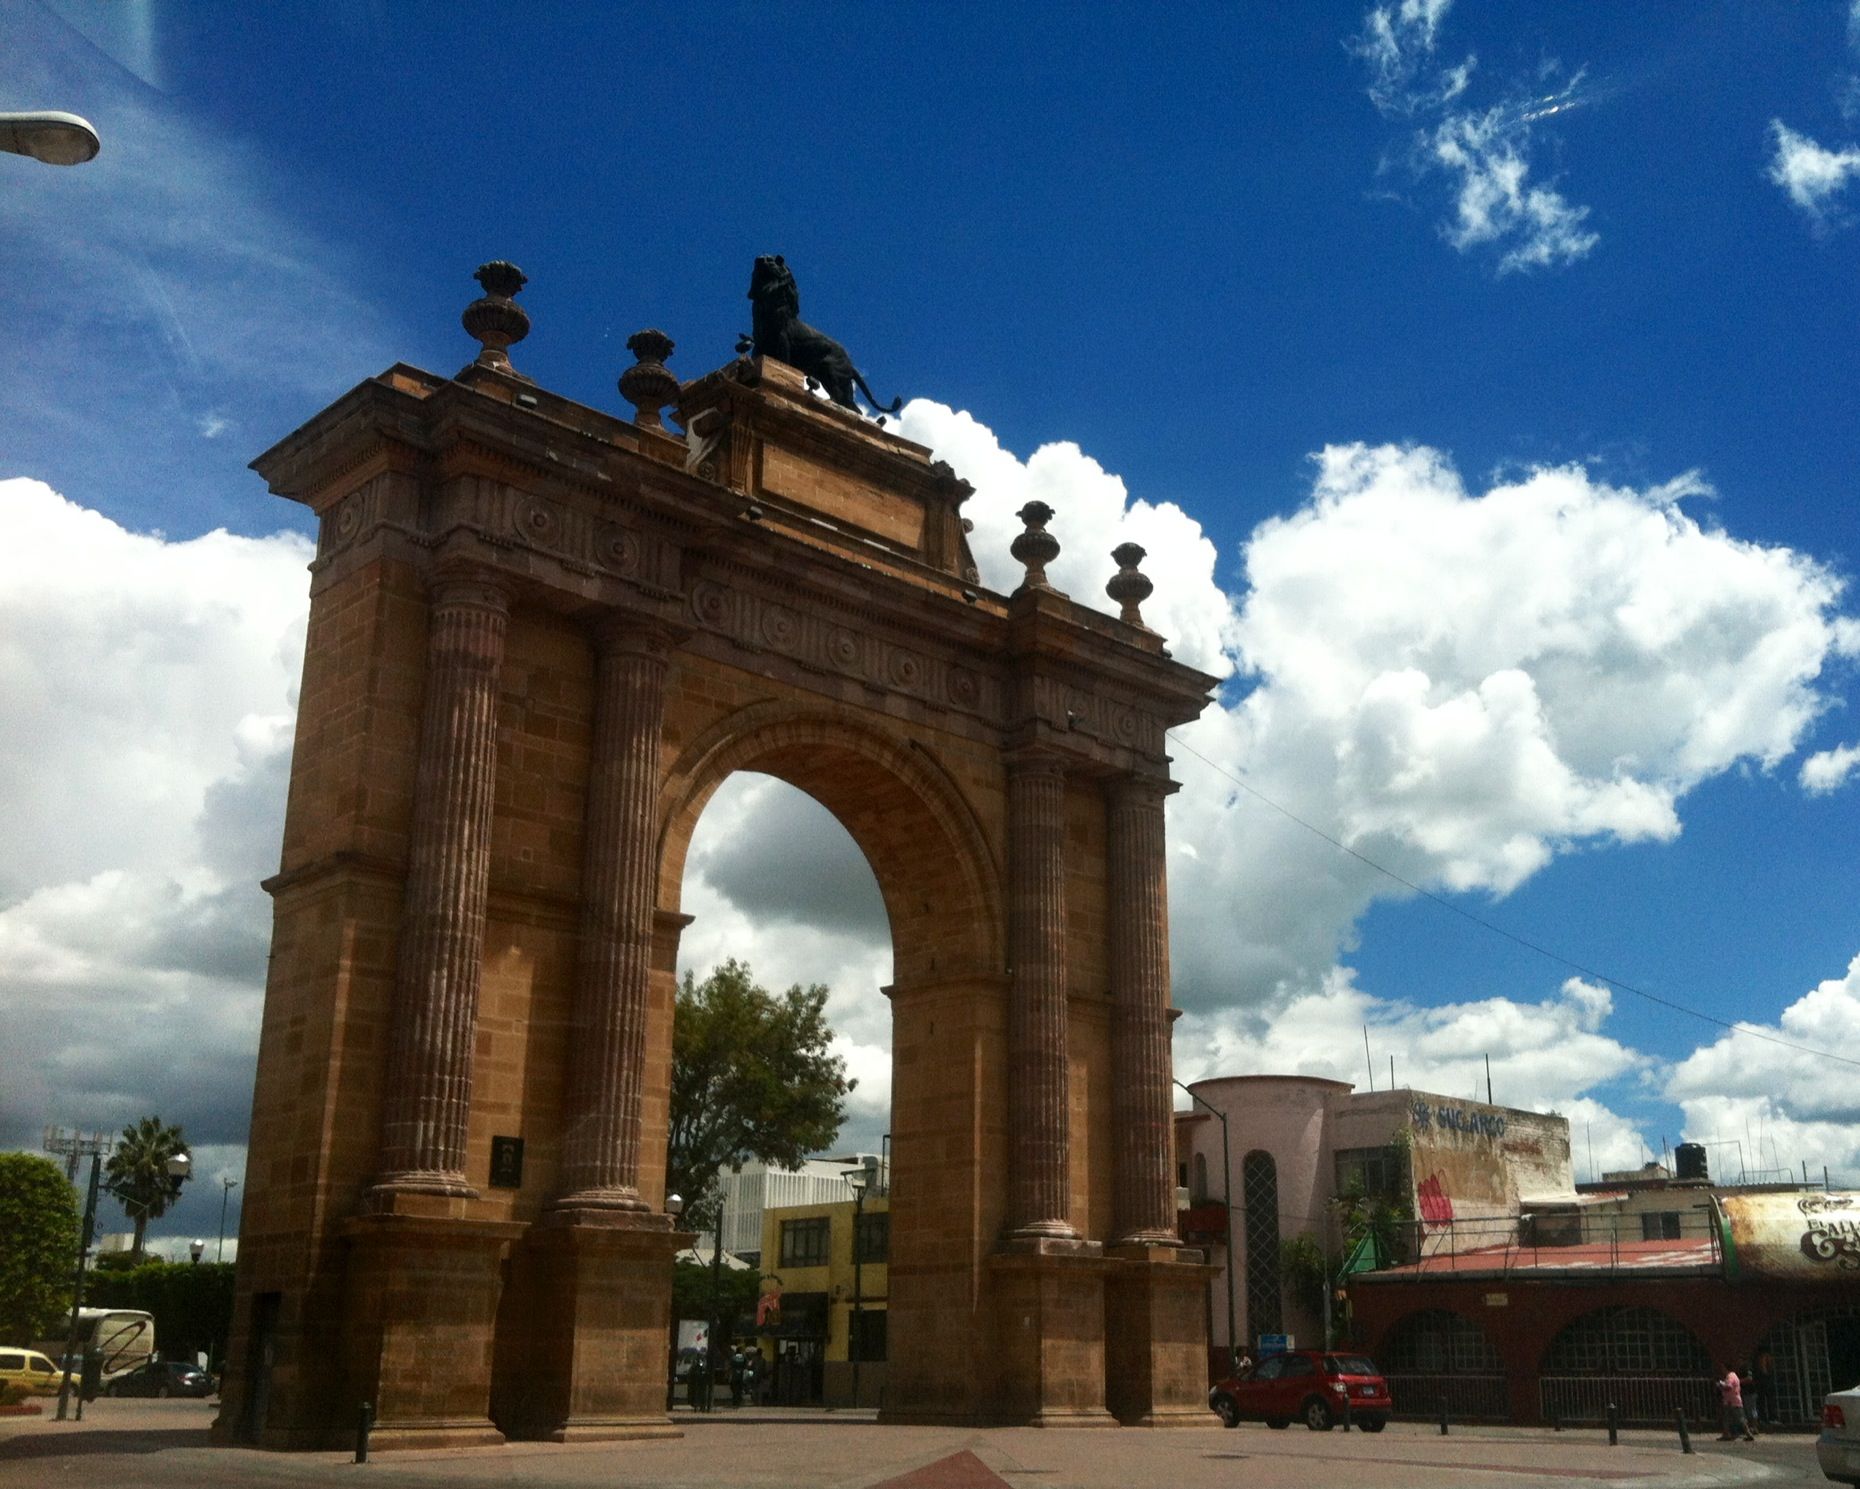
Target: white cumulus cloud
1813, 176
1828, 770
1460, 685
144, 751
1777, 1106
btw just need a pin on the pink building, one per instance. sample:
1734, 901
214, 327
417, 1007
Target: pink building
1295, 1144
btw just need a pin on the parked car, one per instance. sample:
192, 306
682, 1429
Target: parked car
28, 1368
1838, 1447
161, 1378
1308, 1385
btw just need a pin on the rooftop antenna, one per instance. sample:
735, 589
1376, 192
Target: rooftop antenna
1366, 1060
1391, 1072
1488, 1080
1588, 1134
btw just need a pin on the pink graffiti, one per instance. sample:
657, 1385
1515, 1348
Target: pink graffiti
1435, 1203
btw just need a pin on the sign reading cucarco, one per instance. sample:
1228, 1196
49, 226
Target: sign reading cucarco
1795, 1237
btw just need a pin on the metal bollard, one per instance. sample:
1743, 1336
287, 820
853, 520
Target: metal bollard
1685, 1437
1556, 1420
1443, 1416
1614, 1425
1346, 1410
364, 1421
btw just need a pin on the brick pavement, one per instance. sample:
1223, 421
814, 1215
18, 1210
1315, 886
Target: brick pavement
161, 1443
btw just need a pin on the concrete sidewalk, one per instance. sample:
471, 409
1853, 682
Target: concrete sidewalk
161, 1443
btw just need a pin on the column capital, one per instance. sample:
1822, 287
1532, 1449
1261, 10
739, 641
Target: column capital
470, 585
1138, 790
617, 632
1036, 760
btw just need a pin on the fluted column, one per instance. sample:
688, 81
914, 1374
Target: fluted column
607, 1053
1142, 1110
1039, 1184
427, 1092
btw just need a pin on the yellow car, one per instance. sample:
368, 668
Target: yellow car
28, 1368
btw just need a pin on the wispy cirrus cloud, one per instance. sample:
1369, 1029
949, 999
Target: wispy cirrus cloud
186, 267
1485, 154
1397, 44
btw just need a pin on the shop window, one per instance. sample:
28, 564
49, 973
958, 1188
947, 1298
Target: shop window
1436, 1342
804, 1242
1627, 1341
872, 1238
1375, 1172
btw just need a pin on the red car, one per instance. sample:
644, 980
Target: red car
1309, 1385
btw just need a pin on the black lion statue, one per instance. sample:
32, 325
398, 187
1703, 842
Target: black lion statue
779, 332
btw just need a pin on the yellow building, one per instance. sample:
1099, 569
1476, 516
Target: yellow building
823, 1267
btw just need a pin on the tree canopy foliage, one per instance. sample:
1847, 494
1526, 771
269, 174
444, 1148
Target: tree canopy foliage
38, 1246
753, 1077
137, 1173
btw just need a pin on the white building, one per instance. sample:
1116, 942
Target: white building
758, 1187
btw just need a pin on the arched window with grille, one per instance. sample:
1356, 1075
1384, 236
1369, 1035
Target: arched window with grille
1259, 1192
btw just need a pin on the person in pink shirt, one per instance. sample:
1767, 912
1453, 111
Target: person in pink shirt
1731, 1393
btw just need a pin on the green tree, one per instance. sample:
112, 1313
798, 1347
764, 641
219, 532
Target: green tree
137, 1173
753, 1076
736, 1299
38, 1247
1306, 1271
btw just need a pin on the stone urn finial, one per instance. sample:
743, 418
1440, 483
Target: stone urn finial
1036, 547
1128, 587
497, 320
648, 385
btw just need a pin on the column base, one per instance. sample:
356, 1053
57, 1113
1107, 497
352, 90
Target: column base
420, 1307
1049, 1334
1156, 1342
584, 1334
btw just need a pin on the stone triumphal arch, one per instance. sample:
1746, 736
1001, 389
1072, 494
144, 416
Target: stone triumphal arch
540, 637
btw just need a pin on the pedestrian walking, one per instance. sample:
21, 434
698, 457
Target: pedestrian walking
1731, 1394
1763, 1391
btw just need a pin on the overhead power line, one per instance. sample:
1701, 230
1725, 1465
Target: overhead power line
1499, 930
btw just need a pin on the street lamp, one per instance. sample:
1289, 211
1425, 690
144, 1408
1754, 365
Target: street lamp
50, 136
1227, 1191
194, 1248
73, 1146
226, 1188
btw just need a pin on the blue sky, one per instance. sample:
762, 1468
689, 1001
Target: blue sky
1201, 245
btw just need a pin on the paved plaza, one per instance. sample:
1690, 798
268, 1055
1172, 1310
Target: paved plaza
127, 1444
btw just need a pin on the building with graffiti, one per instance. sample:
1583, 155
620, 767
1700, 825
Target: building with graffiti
1368, 1178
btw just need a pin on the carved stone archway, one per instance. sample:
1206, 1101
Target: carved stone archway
540, 637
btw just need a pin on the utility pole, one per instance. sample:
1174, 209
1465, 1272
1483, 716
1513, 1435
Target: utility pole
72, 1146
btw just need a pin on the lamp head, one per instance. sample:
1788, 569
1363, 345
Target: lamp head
180, 1166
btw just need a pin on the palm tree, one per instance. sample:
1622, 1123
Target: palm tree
138, 1173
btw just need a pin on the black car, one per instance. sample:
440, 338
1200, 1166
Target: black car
161, 1378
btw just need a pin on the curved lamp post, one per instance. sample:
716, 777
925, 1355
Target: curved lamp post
1227, 1203
53, 137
